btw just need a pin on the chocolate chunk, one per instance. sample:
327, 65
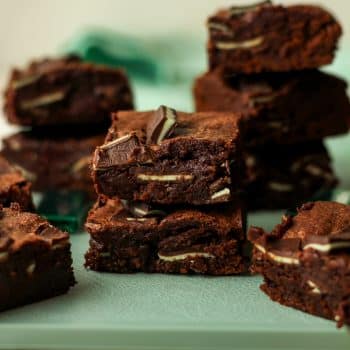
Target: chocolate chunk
118, 151
284, 247
43, 100
222, 28
336, 237
234, 45
179, 256
142, 210
165, 178
25, 81
240, 10
161, 125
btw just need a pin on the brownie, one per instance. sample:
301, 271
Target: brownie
136, 237
54, 160
14, 188
278, 107
170, 157
271, 38
65, 91
285, 176
35, 259
305, 260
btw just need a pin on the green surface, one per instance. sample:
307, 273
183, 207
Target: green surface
109, 311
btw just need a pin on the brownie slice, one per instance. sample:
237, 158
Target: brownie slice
170, 157
14, 188
65, 91
54, 160
271, 38
305, 260
281, 108
35, 259
285, 176
134, 237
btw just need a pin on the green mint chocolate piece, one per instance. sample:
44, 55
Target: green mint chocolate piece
66, 210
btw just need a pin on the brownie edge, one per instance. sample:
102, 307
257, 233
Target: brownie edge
305, 260
165, 239
36, 260
197, 159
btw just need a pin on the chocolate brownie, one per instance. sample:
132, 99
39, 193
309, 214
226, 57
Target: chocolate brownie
170, 157
271, 38
285, 176
65, 91
54, 160
132, 237
35, 259
14, 188
305, 260
278, 107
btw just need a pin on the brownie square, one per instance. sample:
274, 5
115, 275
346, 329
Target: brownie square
285, 176
35, 259
305, 260
65, 91
135, 237
282, 108
170, 157
271, 38
59, 160
14, 188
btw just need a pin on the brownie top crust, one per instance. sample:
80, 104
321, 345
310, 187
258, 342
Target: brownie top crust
254, 21
109, 214
204, 125
19, 229
321, 226
143, 136
35, 70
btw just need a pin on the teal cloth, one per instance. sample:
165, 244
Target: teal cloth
170, 59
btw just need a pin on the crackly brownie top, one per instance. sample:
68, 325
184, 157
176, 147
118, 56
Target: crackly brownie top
18, 229
322, 226
141, 137
203, 125
36, 69
246, 22
115, 213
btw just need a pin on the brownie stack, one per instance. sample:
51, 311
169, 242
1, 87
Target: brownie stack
64, 105
263, 63
168, 185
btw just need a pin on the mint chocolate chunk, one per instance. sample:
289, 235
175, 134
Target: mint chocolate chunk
161, 125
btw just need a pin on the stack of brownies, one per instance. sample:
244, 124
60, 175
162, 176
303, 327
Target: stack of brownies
66, 104
264, 62
168, 185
